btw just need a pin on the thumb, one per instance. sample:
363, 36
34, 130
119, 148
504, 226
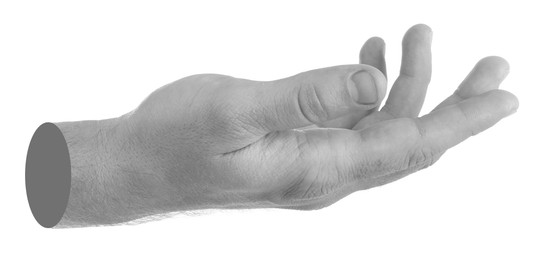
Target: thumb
317, 96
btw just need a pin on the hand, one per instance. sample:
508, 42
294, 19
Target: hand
219, 141
302, 142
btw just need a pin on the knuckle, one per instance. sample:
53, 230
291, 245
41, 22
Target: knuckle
421, 155
421, 158
415, 78
310, 187
313, 182
466, 120
311, 103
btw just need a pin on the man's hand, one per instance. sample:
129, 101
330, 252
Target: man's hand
302, 142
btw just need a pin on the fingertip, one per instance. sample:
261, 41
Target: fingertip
416, 60
495, 63
375, 42
380, 82
487, 75
421, 27
510, 100
373, 53
500, 103
420, 30
374, 49
368, 85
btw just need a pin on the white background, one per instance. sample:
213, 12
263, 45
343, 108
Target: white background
64, 61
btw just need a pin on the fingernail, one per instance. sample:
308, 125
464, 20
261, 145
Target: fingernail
362, 88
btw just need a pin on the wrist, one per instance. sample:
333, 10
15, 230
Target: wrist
95, 197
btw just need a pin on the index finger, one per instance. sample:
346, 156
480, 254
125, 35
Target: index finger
408, 143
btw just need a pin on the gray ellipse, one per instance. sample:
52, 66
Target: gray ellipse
48, 175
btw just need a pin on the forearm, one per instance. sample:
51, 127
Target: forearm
108, 184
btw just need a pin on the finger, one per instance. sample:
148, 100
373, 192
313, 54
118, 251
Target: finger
486, 75
408, 92
314, 97
407, 143
335, 160
372, 53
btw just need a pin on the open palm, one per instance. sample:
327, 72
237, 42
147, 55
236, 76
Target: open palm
314, 166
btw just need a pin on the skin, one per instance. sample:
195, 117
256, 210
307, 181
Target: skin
302, 142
